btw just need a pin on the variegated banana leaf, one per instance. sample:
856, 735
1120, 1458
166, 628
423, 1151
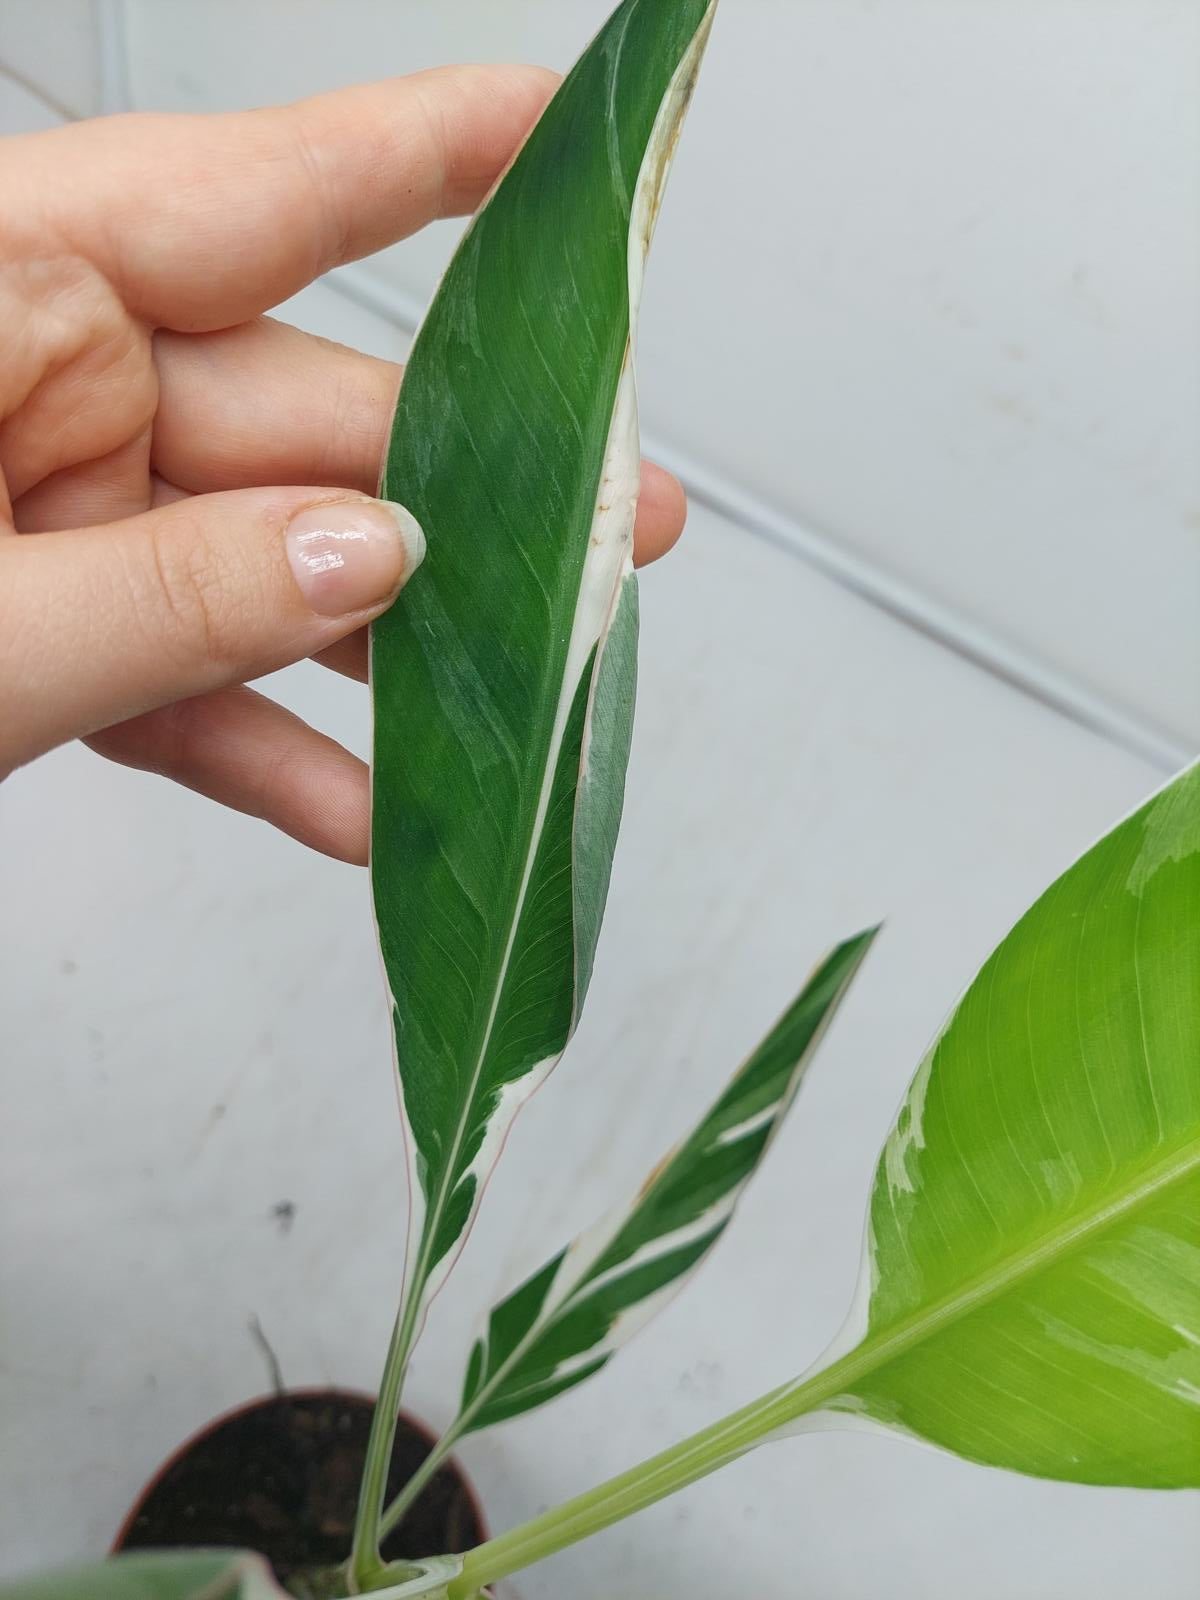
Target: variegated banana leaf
567, 1320
503, 684
1031, 1289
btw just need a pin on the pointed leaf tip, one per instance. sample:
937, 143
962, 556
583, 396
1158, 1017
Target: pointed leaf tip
565, 1322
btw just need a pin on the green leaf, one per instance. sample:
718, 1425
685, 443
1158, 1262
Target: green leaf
1033, 1265
503, 681
154, 1575
207, 1575
566, 1321
1030, 1294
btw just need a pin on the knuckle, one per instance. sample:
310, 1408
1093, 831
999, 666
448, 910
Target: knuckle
196, 613
328, 204
24, 661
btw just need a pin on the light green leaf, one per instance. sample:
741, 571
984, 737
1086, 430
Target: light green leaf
503, 680
1032, 1288
154, 1575
565, 1322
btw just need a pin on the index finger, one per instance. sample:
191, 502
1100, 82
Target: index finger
204, 221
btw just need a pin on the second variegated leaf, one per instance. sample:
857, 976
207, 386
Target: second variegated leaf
566, 1321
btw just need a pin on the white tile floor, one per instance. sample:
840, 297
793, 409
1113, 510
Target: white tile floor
193, 1031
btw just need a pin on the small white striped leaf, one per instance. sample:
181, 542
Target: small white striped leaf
154, 1575
1031, 1289
565, 1322
503, 681
203, 1575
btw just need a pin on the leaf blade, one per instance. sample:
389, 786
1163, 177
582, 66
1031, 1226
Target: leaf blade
1034, 1229
566, 1320
153, 1575
501, 732
1049, 1379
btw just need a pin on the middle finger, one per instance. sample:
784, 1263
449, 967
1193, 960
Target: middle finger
266, 403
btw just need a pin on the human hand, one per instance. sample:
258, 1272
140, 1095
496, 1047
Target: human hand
149, 566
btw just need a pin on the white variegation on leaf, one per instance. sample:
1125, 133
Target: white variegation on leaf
503, 684
1030, 1291
565, 1322
582, 771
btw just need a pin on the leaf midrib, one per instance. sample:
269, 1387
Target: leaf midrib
872, 1353
448, 1181
558, 730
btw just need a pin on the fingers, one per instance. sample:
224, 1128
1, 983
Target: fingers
78, 380
105, 489
246, 752
662, 507
267, 402
661, 513
203, 221
251, 404
106, 623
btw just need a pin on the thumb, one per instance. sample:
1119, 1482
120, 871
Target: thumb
103, 623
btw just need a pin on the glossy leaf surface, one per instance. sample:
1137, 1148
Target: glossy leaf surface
1033, 1261
566, 1321
503, 682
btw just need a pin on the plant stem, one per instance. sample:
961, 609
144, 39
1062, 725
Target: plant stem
404, 1500
366, 1564
693, 1458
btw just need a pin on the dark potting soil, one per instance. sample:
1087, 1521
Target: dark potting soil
281, 1477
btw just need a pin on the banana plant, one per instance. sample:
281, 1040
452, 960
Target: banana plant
503, 694
567, 1320
1029, 1295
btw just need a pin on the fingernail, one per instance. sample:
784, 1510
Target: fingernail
353, 554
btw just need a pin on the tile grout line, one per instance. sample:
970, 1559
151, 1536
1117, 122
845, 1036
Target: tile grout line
112, 56
903, 602
34, 90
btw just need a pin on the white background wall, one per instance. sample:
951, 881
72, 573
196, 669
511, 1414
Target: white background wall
921, 330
